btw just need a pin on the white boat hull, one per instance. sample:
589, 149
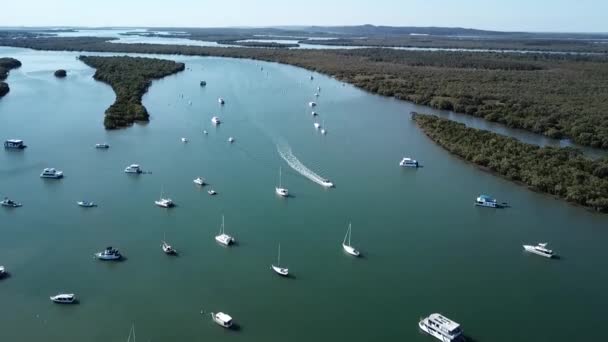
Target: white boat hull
224, 239
350, 250
280, 270
531, 249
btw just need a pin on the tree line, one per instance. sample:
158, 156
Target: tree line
6, 64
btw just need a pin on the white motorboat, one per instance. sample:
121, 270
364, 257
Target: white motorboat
199, 181
280, 190
6, 202
346, 244
212, 192
133, 168
408, 162
224, 238
312, 104
102, 146
221, 101
231, 140
64, 298
215, 120
314, 113
282, 271
317, 125
540, 249
109, 254
14, 144
86, 204
184, 140
222, 319
441, 327
486, 201
327, 183
51, 173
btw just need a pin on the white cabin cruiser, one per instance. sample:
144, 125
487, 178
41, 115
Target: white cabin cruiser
486, 201
408, 162
222, 319
540, 249
102, 146
109, 254
51, 173
14, 144
86, 204
215, 120
133, 168
282, 271
223, 238
6, 202
64, 298
312, 104
199, 181
346, 244
441, 327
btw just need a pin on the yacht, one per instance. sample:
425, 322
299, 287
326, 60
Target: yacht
6, 202
312, 104
486, 201
109, 254
317, 125
408, 162
212, 192
224, 238
102, 146
184, 140
327, 183
51, 173
441, 327
133, 168
64, 298
346, 244
314, 113
221, 101
282, 271
222, 319
199, 181
540, 249
14, 144
167, 248
215, 120
86, 204
231, 140
280, 190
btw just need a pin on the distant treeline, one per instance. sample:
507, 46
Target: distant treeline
563, 172
130, 78
6, 64
557, 95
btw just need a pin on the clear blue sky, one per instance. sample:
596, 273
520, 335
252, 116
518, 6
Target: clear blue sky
507, 15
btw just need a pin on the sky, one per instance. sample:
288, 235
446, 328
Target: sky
504, 15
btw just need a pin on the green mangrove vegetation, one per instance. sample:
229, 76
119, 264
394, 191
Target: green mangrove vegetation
130, 78
563, 172
6, 64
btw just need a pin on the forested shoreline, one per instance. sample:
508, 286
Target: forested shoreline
562, 172
130, 78
560, 96
6, 64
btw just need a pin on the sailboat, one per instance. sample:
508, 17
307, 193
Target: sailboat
224, 238
278, 269
164, 202
323, 131
167, 248
280, 190
131, 333
346, 246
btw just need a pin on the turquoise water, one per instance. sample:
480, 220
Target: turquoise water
426, 247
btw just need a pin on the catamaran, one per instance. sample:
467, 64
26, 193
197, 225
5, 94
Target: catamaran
347, 246
441, 327
223, 238
164, 202
278, 269
280, 190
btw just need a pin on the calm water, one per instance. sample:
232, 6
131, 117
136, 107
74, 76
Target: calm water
426, 247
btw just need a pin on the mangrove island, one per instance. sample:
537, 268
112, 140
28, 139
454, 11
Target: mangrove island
6, 64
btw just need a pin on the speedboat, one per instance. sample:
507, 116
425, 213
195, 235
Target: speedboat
51, 173
14, 144
222, 319
326, 183
215, 120
408, 162
212, 192
224, 238
167, 248
486, 201
133, 168
184, 140
86, 204
312, 104
164, 202
231, 140
441, 327
317, 125
540, 249
109, 254
221, 101
64, 298
199, 181
6, 202
102, 146
314, 113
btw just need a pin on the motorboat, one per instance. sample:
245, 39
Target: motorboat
312, 104
327, 183
199, 181
346, 244
215, 120
221, 101
314, 113
282, 271
486, 201
184, 140
280, 190
16, 144
167, 248
540, 249
108, 254
51, 173
133, 168
64, 298
223, 238
102, 146
212, 192
441, 327
86, 204
231, 140
222, 319
317, 125
408, 162
6, 202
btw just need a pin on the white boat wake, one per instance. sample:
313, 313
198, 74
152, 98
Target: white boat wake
287, 155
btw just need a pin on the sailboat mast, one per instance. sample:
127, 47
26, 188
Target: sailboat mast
279, 258
222, 231
280, 178
350, 233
